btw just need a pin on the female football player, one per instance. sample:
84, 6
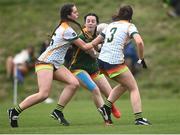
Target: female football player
111, 60
84, 65
49, 66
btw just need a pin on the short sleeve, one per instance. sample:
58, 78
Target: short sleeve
70, 34
132, 30
103, 33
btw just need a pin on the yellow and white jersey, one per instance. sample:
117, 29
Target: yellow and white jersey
116, 35
60, 42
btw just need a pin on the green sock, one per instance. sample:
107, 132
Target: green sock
108, 103
138, 115
59, 107
18, 109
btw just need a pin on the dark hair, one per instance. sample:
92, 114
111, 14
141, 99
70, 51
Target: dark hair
97, 20
92, 14
66, 10
125, 13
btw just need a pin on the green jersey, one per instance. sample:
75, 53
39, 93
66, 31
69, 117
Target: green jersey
81, 59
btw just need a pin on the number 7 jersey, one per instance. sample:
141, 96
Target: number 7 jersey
116, 35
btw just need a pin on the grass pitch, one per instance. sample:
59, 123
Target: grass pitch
84, 119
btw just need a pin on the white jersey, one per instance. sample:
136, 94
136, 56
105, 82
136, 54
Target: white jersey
21, 57
116, 35
60, 42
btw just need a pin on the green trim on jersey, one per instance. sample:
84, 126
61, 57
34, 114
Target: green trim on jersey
132, 34
102, 34
82, 60
70, 40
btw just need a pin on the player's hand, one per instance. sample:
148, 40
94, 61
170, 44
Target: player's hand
142, 62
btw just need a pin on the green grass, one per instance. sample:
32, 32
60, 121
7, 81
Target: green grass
24, 22
164, 114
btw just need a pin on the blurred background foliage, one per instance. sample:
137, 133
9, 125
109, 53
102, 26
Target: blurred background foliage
25, 22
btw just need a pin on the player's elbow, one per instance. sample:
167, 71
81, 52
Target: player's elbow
140, 44
138, 40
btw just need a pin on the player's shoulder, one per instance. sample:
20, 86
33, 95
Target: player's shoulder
131, 24
65, 25
67, 28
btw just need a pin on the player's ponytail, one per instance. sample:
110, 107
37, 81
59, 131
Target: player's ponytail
125, 13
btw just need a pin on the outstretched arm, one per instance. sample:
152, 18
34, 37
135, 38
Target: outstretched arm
140, 49
140, 45
86, 46
81, 44
99, 39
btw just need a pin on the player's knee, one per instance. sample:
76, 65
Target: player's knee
74, 84
96, 91
43, 95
